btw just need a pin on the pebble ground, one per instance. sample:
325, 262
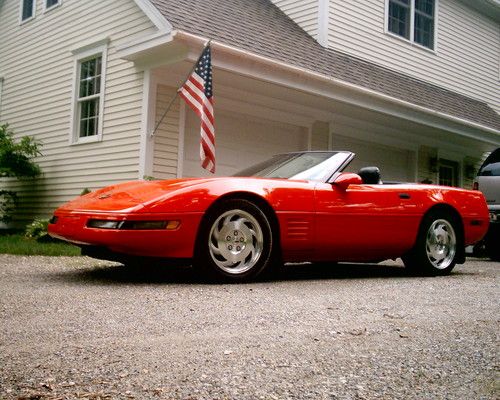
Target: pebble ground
80, 328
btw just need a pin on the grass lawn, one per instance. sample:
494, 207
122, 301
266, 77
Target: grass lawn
20, 245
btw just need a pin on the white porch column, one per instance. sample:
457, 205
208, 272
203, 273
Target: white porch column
182, 138
146, 149
331, 125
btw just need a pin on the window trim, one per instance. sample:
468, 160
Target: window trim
33, 12
82, 54
47, 9
411, 40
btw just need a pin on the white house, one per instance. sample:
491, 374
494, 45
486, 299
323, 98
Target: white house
411, 86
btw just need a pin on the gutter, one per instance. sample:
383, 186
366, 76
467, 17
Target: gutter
336, 82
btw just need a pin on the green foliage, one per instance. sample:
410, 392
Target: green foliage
8, 200
15, 162
16, 158
149, 178
38, 229
85, 191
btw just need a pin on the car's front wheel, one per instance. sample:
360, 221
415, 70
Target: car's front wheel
235, 242
436, 249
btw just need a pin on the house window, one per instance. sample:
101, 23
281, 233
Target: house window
413, 20
50, 4
27, 10
399, 17
89, 95
448, 172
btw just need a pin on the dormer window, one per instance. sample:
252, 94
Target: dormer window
413, 20
50, 4
27, 10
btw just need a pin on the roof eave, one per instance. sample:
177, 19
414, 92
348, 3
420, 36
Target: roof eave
490, 135
174, 45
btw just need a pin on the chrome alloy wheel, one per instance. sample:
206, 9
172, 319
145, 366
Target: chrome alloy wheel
441, 244
235, 241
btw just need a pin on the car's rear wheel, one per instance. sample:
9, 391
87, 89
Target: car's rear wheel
437, 247
235, 242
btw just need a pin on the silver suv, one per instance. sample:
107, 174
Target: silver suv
488, 182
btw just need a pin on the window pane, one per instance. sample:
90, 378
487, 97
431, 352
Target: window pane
27, 9
83, 89
91, 127
424, 31
90, 77
50, 3
425, 6
448, 173
83, 127
89, 85
399, 19
89, 117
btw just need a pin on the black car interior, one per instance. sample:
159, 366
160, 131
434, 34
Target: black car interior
370, 175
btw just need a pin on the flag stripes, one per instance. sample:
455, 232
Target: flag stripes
197, 93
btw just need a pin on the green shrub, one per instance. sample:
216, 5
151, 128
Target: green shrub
38, 230
15, 162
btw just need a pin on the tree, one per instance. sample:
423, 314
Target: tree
15, 162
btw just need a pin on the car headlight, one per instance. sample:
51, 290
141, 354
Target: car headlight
103, 224
132, 225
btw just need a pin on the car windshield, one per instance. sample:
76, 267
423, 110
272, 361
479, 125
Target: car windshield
315, 166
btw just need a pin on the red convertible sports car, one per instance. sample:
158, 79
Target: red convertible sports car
294, 207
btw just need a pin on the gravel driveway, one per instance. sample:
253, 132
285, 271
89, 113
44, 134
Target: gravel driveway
80, 328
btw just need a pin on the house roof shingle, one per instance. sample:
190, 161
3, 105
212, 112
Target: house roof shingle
258, 26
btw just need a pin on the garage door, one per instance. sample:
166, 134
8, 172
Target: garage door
394, 163
240, 142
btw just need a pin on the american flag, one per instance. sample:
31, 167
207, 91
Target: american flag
197, 92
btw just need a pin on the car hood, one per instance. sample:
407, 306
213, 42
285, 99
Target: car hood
129, 196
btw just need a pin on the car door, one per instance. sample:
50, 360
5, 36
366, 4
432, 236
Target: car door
362, 222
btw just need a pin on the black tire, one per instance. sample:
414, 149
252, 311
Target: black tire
438, 245
235, 242
491, 242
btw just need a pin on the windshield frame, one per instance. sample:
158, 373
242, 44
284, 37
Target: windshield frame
334, 165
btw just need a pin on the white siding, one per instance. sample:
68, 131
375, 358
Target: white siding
166, 140
303, 12
394, 168
319, 135
37, 66
466, 59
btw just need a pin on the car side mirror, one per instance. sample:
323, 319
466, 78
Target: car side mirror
344, 180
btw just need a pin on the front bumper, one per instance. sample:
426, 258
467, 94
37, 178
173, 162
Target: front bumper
160, 243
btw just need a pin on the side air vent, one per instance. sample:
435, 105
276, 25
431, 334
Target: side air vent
299, 229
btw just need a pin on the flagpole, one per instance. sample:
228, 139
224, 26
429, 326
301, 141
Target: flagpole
177, 92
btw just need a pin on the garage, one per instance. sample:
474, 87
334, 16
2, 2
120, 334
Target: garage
395, 163
245, 140
240, 142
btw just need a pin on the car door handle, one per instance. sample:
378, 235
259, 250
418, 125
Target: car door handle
405, 196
